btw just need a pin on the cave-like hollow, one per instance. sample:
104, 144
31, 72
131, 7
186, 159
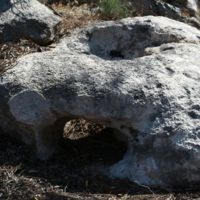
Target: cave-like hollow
91, 141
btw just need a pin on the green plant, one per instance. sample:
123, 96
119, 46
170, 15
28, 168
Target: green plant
114, 9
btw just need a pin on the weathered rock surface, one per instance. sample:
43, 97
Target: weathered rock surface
140, 76
183, 10
26, 19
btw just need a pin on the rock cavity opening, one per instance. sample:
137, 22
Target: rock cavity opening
93, 142
126, 41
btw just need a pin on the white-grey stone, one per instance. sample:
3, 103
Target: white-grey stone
193, 5
140, 76
183, 10
26, 19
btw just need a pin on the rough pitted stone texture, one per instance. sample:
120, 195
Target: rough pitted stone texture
140, 76
183, 10
26, 19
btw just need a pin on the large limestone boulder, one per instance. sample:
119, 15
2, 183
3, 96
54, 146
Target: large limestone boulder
26, 19
140, 76
183, 10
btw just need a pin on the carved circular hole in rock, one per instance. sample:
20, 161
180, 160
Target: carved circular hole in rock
93, 142
115, 41
121, 42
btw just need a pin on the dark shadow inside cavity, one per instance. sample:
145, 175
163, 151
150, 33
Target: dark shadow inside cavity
89, 143
116, 54
84, 142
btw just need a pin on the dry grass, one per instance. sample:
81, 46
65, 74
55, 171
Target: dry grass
74, 17
10, 52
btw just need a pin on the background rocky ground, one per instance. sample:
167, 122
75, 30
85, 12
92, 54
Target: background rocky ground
68, 175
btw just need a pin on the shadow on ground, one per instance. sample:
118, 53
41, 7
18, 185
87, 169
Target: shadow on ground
72, 174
